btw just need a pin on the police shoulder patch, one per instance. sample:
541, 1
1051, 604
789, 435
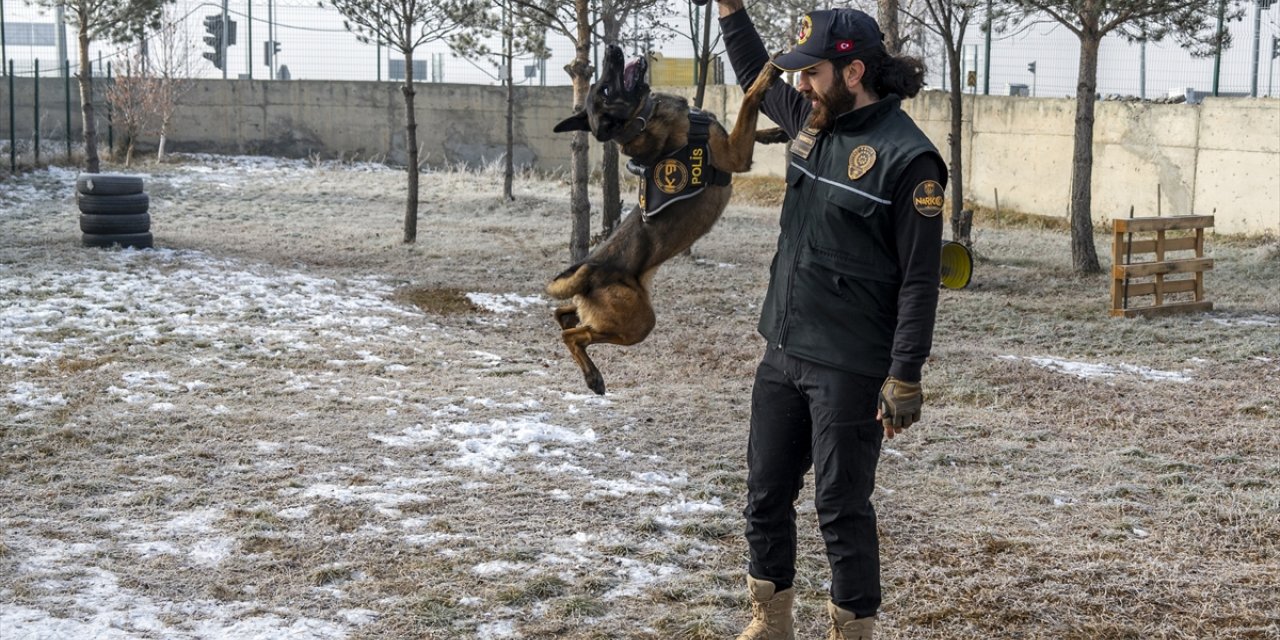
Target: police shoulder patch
861, 160
928, 198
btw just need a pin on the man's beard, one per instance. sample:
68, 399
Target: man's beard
837, 101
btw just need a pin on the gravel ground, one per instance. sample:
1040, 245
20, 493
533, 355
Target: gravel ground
283, 422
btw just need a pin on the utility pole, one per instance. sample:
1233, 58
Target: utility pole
60, 17
4, 55
248, 41
1142, 71
222, 42
986, 64
1258, 8
1271, 66
271, 35
1217, 54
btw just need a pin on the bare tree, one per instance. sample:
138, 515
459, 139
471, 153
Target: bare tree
706, 44
116, 20
1189, 22
405, 25
613, 15
520, 34
130, 95
172, 60
949, 20
887, 16
573, 21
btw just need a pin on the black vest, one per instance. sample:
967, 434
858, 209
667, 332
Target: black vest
833, 291
683, 173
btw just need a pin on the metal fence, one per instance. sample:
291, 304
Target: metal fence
313, 44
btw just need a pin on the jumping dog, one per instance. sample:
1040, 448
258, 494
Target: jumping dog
687, 158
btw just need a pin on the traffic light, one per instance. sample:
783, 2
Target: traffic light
1031, 66
269, 50
1275, 47
218, 44
213, 25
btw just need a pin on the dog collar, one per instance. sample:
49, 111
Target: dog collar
637, 124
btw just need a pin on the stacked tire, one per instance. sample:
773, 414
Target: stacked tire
113, 210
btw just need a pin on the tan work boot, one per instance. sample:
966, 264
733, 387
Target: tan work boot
770, 612
844, 626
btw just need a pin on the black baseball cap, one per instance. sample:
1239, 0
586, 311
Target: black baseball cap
829, 34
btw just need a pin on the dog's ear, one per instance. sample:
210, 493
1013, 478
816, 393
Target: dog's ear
575, 122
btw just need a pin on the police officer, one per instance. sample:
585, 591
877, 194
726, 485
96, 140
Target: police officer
849, 312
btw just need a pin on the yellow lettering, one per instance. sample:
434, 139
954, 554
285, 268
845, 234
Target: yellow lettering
695, 167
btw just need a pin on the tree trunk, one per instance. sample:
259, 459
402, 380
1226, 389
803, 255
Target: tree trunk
888, 20
610, 175
411, 143
612, 188
580, 73
704, 57
1084, 257
91, 162
956, 138
509, 171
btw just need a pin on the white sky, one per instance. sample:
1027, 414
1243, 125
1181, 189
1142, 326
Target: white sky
314, 45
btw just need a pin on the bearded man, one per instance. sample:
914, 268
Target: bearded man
848, 316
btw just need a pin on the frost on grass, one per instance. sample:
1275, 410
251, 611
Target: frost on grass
286, 424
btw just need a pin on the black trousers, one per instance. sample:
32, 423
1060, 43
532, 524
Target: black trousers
805, 414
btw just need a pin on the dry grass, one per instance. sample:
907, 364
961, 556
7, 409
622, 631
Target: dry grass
1030, 504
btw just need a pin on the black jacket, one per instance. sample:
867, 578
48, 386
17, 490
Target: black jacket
854, 284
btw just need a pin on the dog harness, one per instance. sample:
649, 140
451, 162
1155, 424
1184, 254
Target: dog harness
685, 172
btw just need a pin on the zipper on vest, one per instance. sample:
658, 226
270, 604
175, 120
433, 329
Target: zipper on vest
821, 148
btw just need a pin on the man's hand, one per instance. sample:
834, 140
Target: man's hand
899, 405
729, 6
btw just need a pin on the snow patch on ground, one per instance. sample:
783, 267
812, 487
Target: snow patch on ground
1087, 370
504, 302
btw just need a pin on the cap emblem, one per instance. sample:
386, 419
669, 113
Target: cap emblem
806, 28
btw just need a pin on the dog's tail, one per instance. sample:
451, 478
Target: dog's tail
570, 282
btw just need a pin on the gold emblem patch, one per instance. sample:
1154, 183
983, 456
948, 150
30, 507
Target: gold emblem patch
806, 28
928, 198
670, 176
861, 161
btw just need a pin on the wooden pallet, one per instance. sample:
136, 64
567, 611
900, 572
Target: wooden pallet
1141, 264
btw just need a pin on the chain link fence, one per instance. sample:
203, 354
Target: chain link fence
311, 43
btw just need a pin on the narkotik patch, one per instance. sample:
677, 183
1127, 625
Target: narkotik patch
928, 198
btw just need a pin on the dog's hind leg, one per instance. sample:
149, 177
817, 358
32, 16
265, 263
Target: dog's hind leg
577, 340
567, 316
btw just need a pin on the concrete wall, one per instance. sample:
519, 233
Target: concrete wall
1220, 157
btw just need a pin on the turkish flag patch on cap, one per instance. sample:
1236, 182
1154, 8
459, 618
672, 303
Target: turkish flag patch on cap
844, 45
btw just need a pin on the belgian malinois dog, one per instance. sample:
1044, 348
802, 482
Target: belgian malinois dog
610, 288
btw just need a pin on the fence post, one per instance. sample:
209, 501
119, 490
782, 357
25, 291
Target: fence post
13, 131
111, 135
35, 121
4, 55
66, 90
